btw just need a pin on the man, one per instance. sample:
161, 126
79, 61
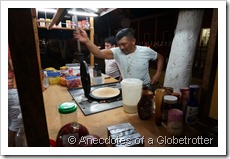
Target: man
132, 60
13, 105
111, 67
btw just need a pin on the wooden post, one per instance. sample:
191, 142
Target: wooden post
92, 39
210, 67
37, 45
26, 68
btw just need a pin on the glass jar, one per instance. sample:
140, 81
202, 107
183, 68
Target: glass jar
71, 131
168, 103
175, 122
68, 112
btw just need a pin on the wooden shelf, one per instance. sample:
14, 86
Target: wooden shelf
56, 28
58, 16
59, 28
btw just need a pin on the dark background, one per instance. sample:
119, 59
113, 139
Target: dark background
154, 27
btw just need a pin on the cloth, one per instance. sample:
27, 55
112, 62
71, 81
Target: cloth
13, 110
136, 64
111, 68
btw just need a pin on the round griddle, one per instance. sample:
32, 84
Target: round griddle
86, 84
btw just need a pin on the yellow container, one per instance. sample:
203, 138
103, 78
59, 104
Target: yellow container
54, 80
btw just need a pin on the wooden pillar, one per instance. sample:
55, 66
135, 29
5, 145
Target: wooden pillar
92, 39
179, 68
210, 67
26, 68
37, 44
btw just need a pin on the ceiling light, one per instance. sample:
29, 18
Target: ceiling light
94, 9
83, 14
47, 10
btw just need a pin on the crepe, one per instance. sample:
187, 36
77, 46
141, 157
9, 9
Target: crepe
106, 92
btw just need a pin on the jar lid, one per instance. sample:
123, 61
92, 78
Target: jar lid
170, 99
194, 86
67, 107
184, 89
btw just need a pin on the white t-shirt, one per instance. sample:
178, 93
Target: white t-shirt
111, 68
136, 64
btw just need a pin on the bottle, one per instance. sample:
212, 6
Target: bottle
177, 105
20, 138
46, 80
96, 70
192, 107
159, 94
168, 90
184, 98
71, 131
87, 23
168, 103
145, 105
73, 22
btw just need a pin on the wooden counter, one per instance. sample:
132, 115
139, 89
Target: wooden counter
97, 123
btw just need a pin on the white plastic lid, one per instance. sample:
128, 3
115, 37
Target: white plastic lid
132, 81
170, 99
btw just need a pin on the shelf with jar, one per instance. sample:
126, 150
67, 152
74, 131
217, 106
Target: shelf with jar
44, 24
56, 23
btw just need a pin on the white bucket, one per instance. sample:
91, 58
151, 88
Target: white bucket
131, 94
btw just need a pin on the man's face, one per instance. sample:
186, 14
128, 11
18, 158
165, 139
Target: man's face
126, 44
108, 45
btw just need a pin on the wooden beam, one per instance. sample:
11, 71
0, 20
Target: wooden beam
57, 17
26, 68
37, 46
210, 67
92, 39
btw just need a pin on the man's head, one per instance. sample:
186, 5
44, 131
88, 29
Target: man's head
110, 42
126, 41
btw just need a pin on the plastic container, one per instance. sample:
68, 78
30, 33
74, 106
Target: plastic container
63, 81
131, 94
64, 70
46, 80
54, 77
97, 80
73, 82
42, 23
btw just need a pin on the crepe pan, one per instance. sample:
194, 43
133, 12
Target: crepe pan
86, 83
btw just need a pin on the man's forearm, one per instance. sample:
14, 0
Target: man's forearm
160, 64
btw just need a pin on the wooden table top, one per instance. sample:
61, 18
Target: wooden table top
98, 123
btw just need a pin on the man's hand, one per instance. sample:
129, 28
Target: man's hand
81, 35
155, 78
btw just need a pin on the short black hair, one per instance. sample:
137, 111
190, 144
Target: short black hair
111, 40
126, 32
